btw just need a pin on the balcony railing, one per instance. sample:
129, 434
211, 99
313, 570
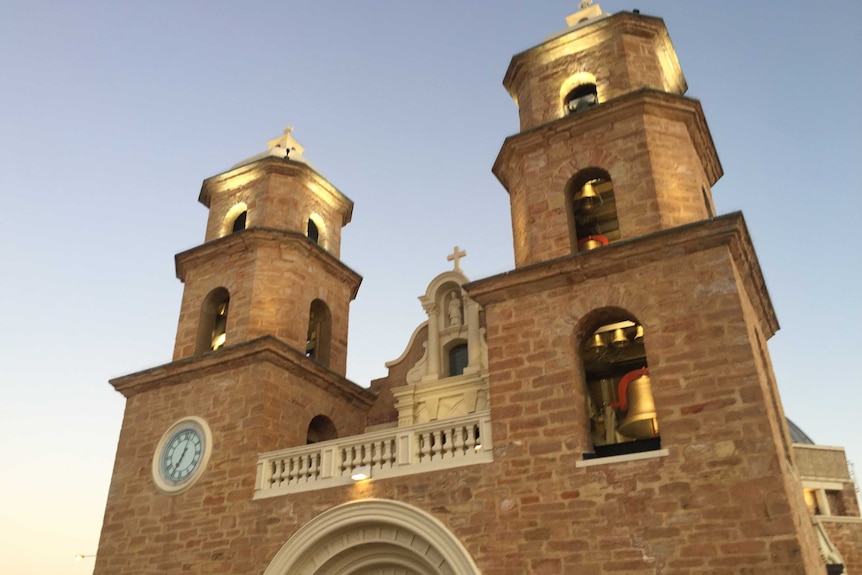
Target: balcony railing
387, 453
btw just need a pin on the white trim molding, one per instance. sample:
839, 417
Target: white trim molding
373, 534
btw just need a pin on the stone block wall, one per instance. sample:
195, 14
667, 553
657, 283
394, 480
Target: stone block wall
654, 147
624, 52
255, 401
272, 277
278, 194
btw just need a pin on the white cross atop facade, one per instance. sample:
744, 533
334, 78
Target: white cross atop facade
456, 256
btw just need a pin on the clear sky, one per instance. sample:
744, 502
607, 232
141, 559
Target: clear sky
112, 113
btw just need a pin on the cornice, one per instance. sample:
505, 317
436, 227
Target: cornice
626, 255
252, 238
643, 102
265, 349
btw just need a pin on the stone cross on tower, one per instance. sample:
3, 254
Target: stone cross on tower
287, 142
586, 11
456, 256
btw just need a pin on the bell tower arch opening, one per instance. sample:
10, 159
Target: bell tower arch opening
319, 337
315, 230
619, 396
212, 328
592, 210
312, 232
240, 222
235, 220
579, 92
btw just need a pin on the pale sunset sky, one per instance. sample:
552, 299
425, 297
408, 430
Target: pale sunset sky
112, 113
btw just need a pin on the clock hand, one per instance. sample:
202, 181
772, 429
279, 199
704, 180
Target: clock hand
185, 449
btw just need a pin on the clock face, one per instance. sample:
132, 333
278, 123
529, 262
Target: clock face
182, 455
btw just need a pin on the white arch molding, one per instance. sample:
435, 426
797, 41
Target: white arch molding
373, 536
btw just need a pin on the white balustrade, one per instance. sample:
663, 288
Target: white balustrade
388, 453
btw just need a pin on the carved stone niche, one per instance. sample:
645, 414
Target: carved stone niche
451, 377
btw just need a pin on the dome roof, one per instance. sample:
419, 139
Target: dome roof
797, 435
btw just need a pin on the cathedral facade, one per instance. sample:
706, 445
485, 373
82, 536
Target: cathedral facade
606, 407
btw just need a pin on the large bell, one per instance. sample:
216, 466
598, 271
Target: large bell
640, 421
587, 198
592, 242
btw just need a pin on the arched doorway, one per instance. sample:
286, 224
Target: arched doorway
373, 536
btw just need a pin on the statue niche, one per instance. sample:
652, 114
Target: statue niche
453, 309
450, 379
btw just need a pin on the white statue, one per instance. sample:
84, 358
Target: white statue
454, 309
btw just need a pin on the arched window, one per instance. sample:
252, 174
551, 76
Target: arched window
620, 402
457, 359
212, 329
319, 332
235, 220
239, 222
580, 98
320, 429
313, 233
592, 210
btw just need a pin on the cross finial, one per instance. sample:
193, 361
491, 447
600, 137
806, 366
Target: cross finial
456, 256
287, 142
585, 4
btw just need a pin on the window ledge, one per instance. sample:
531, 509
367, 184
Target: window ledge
622, 458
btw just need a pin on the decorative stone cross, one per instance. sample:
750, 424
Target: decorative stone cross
284, 140
456, 256
287, 142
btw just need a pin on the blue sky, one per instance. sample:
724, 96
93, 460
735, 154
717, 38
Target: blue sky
112, 113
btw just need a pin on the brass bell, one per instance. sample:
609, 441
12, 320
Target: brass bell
587, 198
620, 339
219, 333
592, 242
639, 334
640, 421
596, 343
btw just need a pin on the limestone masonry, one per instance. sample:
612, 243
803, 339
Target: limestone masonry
606, 407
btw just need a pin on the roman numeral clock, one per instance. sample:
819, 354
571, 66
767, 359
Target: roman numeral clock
181, 455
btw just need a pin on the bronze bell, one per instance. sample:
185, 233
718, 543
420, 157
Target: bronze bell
592, 242
640, 421
219, 333
620, 339
639, 333
587, 198
596, 343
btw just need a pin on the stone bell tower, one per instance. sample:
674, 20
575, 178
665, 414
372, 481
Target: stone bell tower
273, 239
259, 364
628, 347
603, 98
